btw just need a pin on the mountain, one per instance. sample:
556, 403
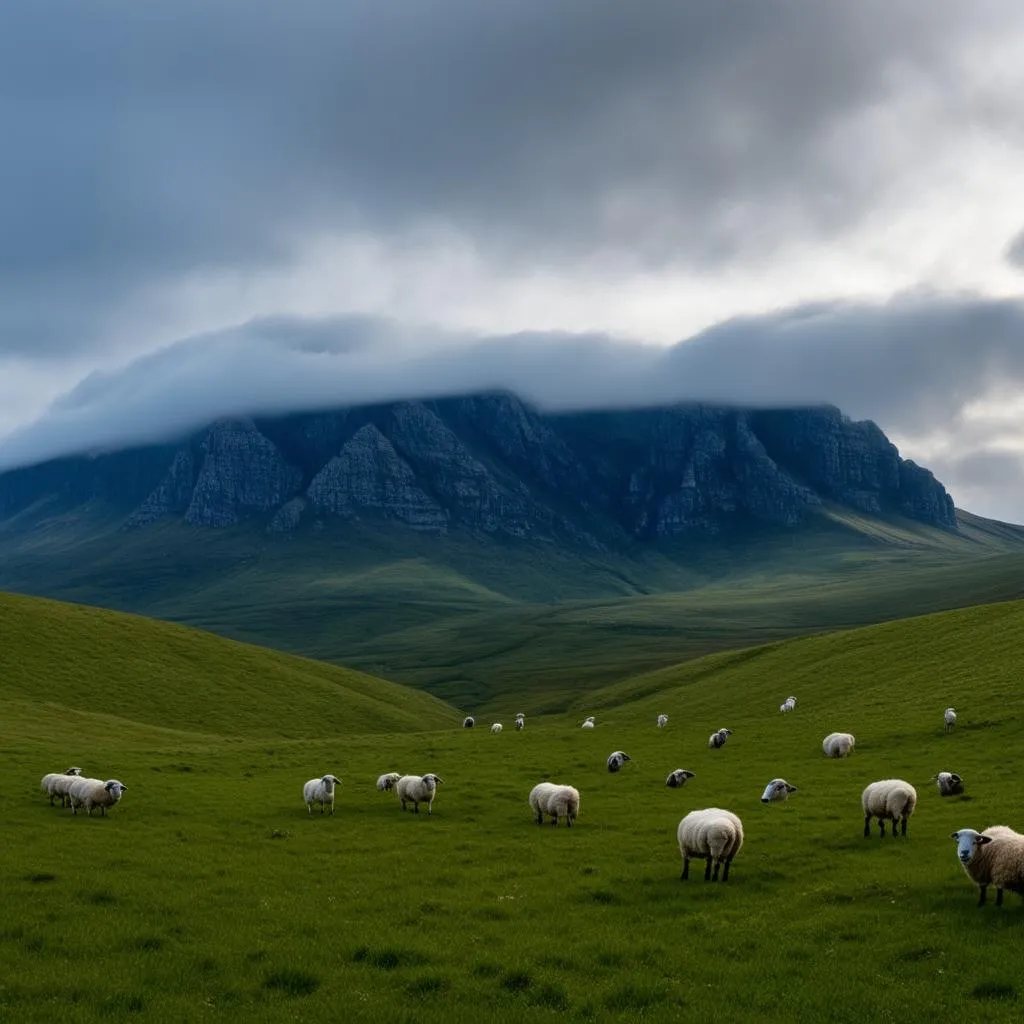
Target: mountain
491, 465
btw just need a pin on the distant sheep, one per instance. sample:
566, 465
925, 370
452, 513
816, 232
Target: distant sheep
662, 721
838, 744
418, 789
320, 791
556, 801
496, 728
588, 723
468, 722
993, 857
387, 782
57, 784
520, 724
888, 799
617, 759
949, 715
777, 791
90, 793
678, 778
717, 739
788, 704
711, 833
949, 783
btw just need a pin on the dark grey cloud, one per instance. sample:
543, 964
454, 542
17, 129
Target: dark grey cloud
143, 141
913, 365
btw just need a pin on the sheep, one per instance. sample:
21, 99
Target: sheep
838, 744
617, 759
520, 714
90, 793
788, 704
678, 778
791, 701
496, 728
520, 724
950, 718
949, 783
588, 723
387, 782
711, 833
995, 856
468, 722
717, 739
320, 791
888, 798
418, 789
777, 791
662, 721
557, 801
57, 784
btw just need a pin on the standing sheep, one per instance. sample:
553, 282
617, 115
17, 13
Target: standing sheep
777, 791
90, 793
888, 799
57, 784
838, 744
949, 783
320, 791
496, 728
520, 724
949, 716
556, 801
717, 739
617, 759
418, 789
995, 856
387, 782
468, 722
662, 721
788, 704
678, 778
588, 722
711, 833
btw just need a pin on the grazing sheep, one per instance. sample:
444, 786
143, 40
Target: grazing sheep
711, 833
678, 778
418, 789
387, 782
320, 791
788, 704
950, 718
588, 723
520, 724
838, 744
57, 784
888, 799
496, 728
717, 739
777, 791
993, 857
617, 759
556, 801
949, 783
468, 722
662, 721
90, 793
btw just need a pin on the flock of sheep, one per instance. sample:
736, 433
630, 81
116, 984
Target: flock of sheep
992, 857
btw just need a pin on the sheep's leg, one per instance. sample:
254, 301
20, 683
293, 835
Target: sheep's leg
430, 807
867, 826
999, 895
714, 874
903, 826
982, 893
568, 821
725, 873
309, 809
103, 810
707, 869
415, 807
881, 828
686, 868
540, 817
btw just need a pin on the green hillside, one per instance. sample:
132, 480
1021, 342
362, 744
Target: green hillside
71, 662
209, 893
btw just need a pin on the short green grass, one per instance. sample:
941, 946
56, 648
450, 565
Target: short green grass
208, 893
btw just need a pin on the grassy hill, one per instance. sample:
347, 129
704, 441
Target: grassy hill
209, 893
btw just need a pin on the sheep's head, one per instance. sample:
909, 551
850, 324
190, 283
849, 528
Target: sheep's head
432, 780
968, 842
114, 788
776, 790
330, 781
678, 778
468, 722
73, 771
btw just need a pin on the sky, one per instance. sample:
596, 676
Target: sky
221, 207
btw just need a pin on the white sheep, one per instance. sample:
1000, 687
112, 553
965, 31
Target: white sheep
520, 714
57, 784
588, 723
993, 857
838, 744
788, 704
520, 724
90, 793
791, 701
556, 801
387, 782
320, 791
617, 759
717, 739
949, 715
949, 783
711, 833
777, 791
468, 722
678, 778
662, 721
418, 789
888, 799
496, 728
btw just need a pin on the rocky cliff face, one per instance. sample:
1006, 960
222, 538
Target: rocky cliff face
493, 465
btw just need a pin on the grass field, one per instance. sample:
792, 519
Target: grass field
209, 894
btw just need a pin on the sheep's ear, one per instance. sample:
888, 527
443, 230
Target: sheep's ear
982, 840
790, 789
955, 778
954, 835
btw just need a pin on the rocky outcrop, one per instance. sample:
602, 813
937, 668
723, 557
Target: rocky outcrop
173, 496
